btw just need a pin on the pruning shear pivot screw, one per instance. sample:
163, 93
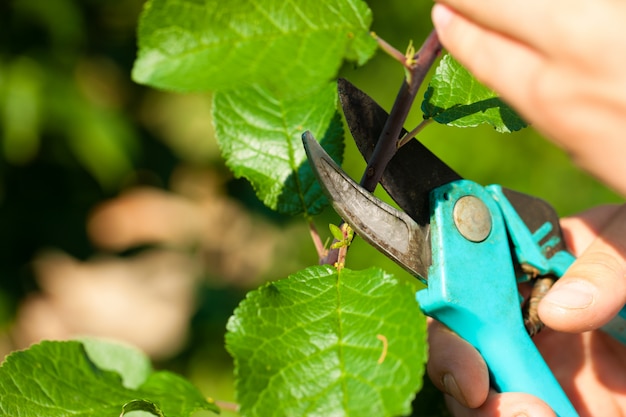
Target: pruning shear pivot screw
472, 218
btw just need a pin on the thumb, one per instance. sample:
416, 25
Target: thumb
593, 289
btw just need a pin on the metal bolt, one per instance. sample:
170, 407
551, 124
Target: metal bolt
472, 218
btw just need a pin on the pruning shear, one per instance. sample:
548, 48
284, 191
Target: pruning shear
471, 244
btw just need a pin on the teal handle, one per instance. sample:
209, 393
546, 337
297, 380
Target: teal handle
528, 250
514, 363
616, 328
472, 289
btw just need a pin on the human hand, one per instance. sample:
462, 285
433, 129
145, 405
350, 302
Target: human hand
561, 64
590, 366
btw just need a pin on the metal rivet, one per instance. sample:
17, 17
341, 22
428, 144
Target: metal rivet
472, 218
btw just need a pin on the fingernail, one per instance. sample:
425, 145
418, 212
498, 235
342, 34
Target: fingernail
441, 16
451, 387
571, 295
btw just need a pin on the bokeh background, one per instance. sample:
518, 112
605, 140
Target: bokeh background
118, 217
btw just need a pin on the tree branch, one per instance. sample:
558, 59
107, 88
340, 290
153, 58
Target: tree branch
387, 144
389, 140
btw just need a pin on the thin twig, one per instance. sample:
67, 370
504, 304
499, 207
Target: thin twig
331, 257
389, 139
413, 133
317, 240
392, 51
225, 405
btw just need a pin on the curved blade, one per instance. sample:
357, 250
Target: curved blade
412, 173
388, 229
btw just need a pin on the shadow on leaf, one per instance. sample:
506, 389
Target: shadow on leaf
507, 120
301, 191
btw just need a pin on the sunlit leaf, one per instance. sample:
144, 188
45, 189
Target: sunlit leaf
336, 231
60, 379
132, 365
260, 136
454, 97
323, 342
199, 45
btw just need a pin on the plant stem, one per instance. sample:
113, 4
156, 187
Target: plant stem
391, 51
317, 241
388, 141
413, 133
334, 255
226, 405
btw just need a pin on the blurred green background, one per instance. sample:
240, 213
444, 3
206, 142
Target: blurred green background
79, 138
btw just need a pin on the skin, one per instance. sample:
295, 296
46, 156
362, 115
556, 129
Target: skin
590, 365
562, 65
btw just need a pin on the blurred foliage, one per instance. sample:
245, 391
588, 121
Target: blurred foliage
75, 131
67, 139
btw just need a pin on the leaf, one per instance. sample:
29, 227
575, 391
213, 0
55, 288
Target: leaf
60, 379
454, 97
141, 405
130, 363
336, 231
104, 142
323, 342
21, 109
260, 138
196, 45
256, 55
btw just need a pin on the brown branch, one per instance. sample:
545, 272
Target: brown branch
317, 241
389, 140
387, 144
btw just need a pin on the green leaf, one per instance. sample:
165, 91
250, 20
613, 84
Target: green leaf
141, 405
130, 363
21, 109
60, 379
287, 46
323, 342
454, 97
336, 231
104, 142
260, 138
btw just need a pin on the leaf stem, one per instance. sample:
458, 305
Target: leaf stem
391, 51
225, 405
389, 140
413, 133
317, 241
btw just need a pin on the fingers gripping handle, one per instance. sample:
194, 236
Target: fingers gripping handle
529, 251
473, 290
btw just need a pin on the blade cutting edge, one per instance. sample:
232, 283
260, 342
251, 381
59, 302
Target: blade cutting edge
414, 170
391, 231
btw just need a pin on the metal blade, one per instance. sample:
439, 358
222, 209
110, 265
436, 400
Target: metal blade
388, 229
412, 173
